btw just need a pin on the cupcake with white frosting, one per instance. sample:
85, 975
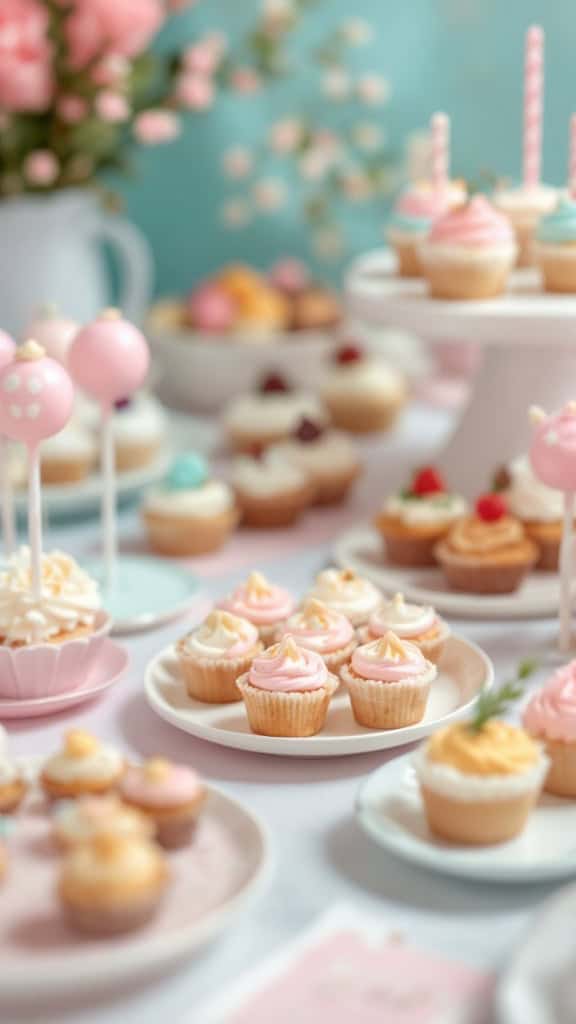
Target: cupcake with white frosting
412, 521
346, 592
419, 624
254, 421
139, 429
319, 628
327, 456
189, 513
69, 456
388, 681
539, 508
271, 489
266, 605
215, 654
82, 820
362, 394
83, 766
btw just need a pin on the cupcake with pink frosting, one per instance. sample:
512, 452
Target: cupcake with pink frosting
215, 654
550, 717
287, 690
469, 252
388, 681
319, 628
419, 624
170, 795
416, 209
264, 604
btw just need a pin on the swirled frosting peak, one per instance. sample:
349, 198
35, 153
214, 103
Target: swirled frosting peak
388, 659
286, 667
221, 635
346, 592
320, 628
475, 224
551, 712
496, 749
473, 536
259, 601
69, 598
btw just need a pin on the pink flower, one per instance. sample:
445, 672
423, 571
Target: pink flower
154, 127
122, 27
111, 106
285, 135
41, 167
237, 162
72, 109
372, 89
245, 80
202, 57
25, 57
194, 91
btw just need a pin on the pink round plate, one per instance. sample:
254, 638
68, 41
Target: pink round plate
111, 666
212, 879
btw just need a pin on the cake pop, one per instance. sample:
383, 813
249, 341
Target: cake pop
53, 331
7, 349
553, 458
36, 399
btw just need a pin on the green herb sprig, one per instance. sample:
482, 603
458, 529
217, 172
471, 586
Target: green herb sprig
492, 703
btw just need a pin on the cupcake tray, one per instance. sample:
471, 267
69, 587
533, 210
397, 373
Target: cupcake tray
389, 809
360, 549
213, 879
463, 672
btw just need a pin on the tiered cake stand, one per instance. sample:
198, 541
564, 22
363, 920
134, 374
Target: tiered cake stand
528, 339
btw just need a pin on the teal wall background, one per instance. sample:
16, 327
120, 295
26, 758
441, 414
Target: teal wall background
463, 56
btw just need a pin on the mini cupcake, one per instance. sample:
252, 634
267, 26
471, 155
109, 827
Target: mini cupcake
539, 508
82, 767
13, 785
189, 514
81, 821
412, 522
469, 252
287, 691
363, 395
388, 681
215, 654
252, 422
416, 623
139, 427
68, 457
314, 308
417, 207
327, 456
556, 247
271, 490
550, 717
524, 205
319, 628
264, 604
488, 552
113, 884
171, 795
479, 784
344, 591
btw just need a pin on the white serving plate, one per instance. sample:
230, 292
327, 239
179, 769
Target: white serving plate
463, 672
360, 549
214, 879
389, 809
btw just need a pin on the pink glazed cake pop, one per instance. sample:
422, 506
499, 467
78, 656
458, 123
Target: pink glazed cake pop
109, 358
36, 396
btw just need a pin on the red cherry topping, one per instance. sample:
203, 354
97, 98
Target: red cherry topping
428, 481
349, 354
491, 507
272, 383
307, 430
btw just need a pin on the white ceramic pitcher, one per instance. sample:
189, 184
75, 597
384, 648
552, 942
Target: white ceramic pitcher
51, 252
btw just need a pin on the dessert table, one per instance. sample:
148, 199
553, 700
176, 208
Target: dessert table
321, 855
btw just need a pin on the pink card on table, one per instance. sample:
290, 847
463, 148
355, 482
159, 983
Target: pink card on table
352, 967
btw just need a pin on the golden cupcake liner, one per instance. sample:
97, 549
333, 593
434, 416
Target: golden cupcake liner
364, 415
558, 272
483, 578
189, 535
460, 280
65, 471
408, 258
477, 822
300, 713
561, 777
377, 705
213, 680
331, 490
274, 511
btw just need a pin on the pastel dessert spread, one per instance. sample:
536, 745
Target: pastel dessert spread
82, 820
215, 654
319, 628
469, 252
556, 247
540, 508
82, 766
170, 794
412, 521
254, 421
363, 394
524, 205
550, 717
271, 489
344, 591
264, 604
326, 456
488, 552
388, 680
419, 624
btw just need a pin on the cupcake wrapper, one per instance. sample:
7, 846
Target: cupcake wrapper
213, 681
453, 280
561, 777
287, 714
408, 257
410, 551
190, 535
278, 510
364, 416
44, 670
385, 705
483, 579
98, 920
331, 490
558, 272
477, 823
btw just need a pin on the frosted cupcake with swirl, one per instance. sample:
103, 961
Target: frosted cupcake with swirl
215, 654
416, 208
170, 795
419, 624
82, 767
287, 691
412, 521
346, 592
556, 247
469, 252
550, 717
539, 508
388, 681
262, 603
488, 552
322, 629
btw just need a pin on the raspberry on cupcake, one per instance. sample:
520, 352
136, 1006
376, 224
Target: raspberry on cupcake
412, 522
388, 681
420, 625
270, 414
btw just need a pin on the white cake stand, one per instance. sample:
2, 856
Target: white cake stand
528, 339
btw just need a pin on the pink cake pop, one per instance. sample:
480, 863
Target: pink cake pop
553, 458
7, 350
54, 332
109, 358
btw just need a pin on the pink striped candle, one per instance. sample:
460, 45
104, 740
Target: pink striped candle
572, 158
440, 133
533, 90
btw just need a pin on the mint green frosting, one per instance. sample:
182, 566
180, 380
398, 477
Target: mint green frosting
187, 472
560, 225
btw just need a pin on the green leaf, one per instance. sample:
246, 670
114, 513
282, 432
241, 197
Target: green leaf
492, 703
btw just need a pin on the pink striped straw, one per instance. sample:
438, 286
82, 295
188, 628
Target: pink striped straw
533, 89
572, 158
440, 132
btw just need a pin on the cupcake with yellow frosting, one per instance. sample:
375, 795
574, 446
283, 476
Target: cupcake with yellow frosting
480, 779
215, 654
487, 553
388, 681
418, 624
83, 766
